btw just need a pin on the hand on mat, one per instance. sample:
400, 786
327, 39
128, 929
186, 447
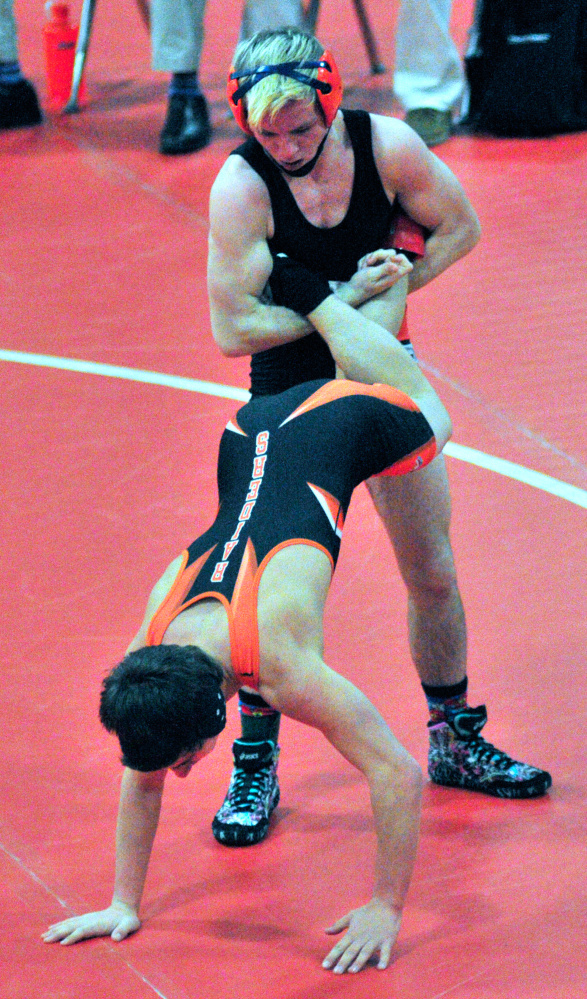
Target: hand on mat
373, 927
118, 922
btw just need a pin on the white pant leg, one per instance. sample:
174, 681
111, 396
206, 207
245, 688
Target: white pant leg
8, 46
266, 15
177, 34
428, 68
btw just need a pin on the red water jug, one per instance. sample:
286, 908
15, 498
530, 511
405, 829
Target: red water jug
60, 39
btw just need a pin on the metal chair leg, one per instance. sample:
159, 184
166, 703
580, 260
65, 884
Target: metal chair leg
311, 16
368, 38
83, 42
81, 51
145, 13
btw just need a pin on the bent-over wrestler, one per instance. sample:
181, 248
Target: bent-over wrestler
244, 605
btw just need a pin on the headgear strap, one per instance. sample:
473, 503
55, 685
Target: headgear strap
327, 84
291, 69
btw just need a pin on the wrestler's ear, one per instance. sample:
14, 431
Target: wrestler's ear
237, 106
330, 98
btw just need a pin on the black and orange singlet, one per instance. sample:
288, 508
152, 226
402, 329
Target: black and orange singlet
287, 468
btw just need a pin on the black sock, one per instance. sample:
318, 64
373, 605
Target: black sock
443, 702
184, 84
259, 720
10, 73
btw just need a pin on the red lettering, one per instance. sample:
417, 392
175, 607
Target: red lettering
228, 549
246, 511
253, 489
259, 467
261, 442
218, 573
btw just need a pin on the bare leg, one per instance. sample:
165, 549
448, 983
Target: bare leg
415, 510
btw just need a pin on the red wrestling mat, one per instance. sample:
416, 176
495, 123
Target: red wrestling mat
105, 480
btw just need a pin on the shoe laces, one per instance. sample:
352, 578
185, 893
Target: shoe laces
486, 752
245, 788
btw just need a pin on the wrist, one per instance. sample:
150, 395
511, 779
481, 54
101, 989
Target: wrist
323, 315
349, 295
128, 908
389, 900
296, 287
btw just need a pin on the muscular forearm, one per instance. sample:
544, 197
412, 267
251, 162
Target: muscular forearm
396, 802
388, 309
138, 817
365, 352
256, 327
446, 245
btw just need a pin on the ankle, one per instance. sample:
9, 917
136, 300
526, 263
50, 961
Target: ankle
259, 721
184, 85
444, 702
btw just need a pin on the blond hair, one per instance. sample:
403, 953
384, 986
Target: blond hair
270, 48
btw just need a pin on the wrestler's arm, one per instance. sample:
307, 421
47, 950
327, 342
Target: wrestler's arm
138, 817
366, 353
316, 696
429, 192
156, 598
240, 263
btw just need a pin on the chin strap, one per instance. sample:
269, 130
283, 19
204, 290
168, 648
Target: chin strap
305, 170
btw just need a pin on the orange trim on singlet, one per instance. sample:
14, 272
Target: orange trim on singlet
234, 426
244, 645
340, 388
403, 333
243, 622
172, 604
417, 459
241, 611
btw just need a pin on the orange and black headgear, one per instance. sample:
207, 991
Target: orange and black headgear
327, 84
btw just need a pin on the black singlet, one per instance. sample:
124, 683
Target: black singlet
287, 467
332, 251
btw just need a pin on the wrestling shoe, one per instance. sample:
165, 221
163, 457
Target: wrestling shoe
252, 796
460, 757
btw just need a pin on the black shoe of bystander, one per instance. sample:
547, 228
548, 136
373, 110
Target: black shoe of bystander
19, 105
187, 125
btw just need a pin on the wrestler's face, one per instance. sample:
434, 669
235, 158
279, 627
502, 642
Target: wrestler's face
292, 137
185, 763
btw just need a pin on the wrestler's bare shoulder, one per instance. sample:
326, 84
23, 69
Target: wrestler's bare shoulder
394, 140
156, 598
399, 152
237, 184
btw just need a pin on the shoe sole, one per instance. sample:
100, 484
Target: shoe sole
228, 834
533, 790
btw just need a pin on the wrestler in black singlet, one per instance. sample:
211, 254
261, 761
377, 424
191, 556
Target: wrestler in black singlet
287, 467
350, 432
333, 251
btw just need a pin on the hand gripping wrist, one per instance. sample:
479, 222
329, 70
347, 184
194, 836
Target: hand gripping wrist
296, 287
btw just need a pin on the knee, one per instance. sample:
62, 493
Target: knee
431, 573
413, 775
410, 778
